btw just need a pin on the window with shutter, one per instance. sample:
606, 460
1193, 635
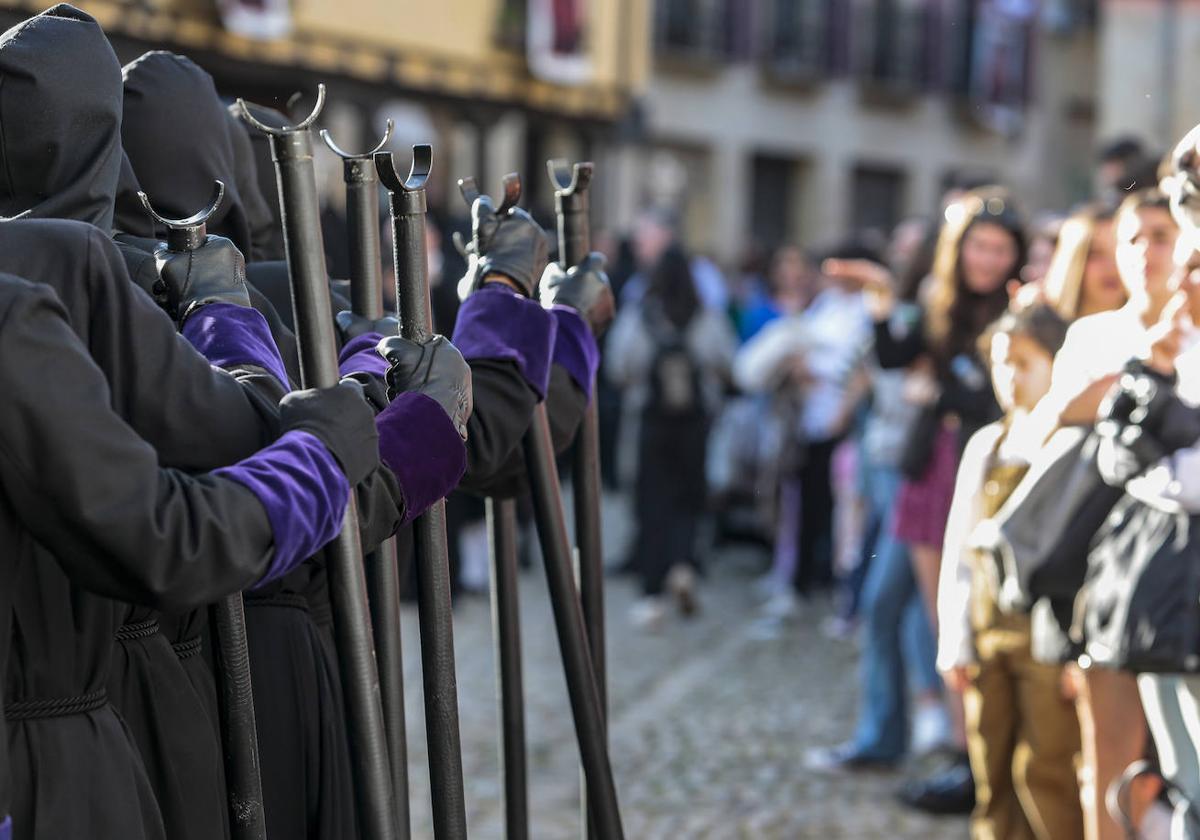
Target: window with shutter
693, 32
1000, 63
805, 40
892, 45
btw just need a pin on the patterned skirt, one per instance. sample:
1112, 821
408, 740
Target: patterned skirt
922, 506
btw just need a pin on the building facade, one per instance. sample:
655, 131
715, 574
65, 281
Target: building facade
494, 85
768, 121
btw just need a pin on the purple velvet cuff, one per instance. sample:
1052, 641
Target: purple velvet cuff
575, 348
420, 445
305, 494
6, 829
229, 335
360, 356
497, 323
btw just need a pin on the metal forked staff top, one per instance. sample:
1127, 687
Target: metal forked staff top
347, 156
407, 199
287, 129
186, 234
569, 180
511, 186
418, 172
571, 203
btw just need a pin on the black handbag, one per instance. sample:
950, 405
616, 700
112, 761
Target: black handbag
918, 446
1046, 527
1141, 601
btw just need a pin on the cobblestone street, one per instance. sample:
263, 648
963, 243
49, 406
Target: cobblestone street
708, 726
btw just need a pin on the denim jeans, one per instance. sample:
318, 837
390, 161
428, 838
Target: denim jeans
1172, 704
896, 633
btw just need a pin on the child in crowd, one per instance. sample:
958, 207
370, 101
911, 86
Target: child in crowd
1022, 733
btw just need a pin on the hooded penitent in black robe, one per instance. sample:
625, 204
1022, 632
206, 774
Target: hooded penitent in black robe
88, 513
60, 67
62, 86
172, 113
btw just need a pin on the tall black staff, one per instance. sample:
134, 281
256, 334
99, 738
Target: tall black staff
568, 618
383, 576
506, 617
291, 149
407, 202
574, 244
506, 633
572, 635
239, 735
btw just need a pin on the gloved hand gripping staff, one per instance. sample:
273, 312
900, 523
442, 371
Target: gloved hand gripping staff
568, 618
506, 617
407, 203
239, 734
383, 577
292, 149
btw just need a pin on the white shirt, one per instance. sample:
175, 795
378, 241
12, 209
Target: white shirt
831, 335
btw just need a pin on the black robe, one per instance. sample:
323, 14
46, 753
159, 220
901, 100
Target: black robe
160, 394
171, 113
88, 514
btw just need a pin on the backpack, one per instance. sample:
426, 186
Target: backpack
676, 390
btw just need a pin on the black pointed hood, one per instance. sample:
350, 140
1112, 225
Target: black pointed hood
176, 133
60, 119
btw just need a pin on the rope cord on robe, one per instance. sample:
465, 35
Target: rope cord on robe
136, 630
187, 648
52, 707
290, 600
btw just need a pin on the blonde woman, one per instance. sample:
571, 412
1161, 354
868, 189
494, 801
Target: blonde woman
1083, 278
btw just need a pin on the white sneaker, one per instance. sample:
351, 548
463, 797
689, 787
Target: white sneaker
782, 605
930, 728
648, 614
838, 629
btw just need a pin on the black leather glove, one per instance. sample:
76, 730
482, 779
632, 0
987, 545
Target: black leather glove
351, 326
374, 389
213, 273
584, 288
1141, 421
434, 368
341, 419
513, 245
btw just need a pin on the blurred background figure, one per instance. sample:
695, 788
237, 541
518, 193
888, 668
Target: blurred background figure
672, 355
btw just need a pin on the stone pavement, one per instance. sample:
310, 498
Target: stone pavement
708, 726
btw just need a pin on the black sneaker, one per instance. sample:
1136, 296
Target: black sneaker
950, 791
